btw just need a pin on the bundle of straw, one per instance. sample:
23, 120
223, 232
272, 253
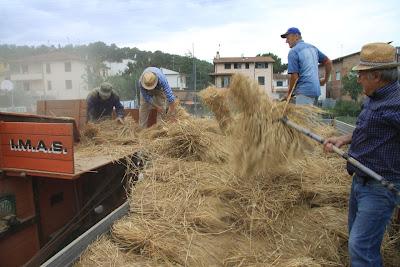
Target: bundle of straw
216, 100
189, 140
263, 142
109, 131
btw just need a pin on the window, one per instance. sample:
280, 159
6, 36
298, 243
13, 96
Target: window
261, 65
49, 86
68, 84
26, 86
227, 65
247, 65
24, 68
261, 80
67, 66
48, 69
337, 75
279, 83
225, 81
237, 65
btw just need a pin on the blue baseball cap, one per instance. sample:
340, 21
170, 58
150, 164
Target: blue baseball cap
292, 30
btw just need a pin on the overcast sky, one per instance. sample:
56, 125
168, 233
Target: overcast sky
234, 27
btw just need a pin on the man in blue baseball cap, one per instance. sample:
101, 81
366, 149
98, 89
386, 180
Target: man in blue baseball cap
303, 62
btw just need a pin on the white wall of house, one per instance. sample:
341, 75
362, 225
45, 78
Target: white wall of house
256, 74
115, 68
53, 80
62, 84
175, 79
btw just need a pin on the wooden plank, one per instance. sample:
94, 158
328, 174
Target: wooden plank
68, 255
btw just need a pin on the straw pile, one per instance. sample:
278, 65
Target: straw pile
186, 139
109, 139
216, 100
194, 209
263, 142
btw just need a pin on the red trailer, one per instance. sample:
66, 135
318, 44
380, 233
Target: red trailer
50, 193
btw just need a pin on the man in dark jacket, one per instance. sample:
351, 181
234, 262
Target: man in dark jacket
100, 104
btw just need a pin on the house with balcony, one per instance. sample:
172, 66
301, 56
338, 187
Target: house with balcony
259, 69
55, 75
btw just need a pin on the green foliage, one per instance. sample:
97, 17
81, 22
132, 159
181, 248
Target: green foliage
351, 86
278, 66
346, 108
96, 53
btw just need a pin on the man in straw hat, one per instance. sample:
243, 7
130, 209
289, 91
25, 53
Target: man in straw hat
100, 104
303, 62
375, 143
154, 89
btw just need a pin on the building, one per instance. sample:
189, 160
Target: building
280, 85
259, 69
116, 68
340, 67
175, 79
56, 75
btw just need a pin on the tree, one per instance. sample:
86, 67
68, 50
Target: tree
278, 66
351, 86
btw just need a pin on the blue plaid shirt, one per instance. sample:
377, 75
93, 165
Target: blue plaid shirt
376, 139
161, 85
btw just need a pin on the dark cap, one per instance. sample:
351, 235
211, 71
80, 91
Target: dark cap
105, 90
292, 30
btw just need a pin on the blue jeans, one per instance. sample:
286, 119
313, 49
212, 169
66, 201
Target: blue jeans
370, 209
305, 100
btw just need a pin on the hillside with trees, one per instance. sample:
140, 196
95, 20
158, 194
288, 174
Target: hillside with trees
96, 53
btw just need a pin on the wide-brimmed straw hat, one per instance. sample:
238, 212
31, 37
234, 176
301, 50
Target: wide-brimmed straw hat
105, 90
149, 80
376, 56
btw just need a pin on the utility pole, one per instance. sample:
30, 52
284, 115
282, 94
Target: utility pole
194, 81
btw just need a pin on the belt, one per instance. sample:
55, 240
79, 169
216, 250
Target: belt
364, 179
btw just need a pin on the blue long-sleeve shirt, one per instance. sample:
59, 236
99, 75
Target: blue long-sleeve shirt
376, 139
161, 85
98, 108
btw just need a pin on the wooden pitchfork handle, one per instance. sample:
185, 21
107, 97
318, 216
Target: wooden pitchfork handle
288, 98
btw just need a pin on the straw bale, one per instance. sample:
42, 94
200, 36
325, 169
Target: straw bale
216, 100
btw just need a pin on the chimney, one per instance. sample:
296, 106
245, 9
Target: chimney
217, 55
